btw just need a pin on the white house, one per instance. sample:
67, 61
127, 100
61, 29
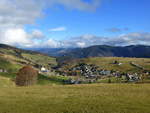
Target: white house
43, 69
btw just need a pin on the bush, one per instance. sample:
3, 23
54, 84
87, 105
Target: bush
109, 80
26, 76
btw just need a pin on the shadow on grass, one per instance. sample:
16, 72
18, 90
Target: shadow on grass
42, 79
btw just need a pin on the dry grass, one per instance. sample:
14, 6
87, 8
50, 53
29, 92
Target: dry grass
96, 98
6, 82
106, 63
40, 59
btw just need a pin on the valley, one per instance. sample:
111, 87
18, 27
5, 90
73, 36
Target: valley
82, 85
75, 71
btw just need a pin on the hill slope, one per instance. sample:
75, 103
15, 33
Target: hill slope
12, 58
127, 65
139, 51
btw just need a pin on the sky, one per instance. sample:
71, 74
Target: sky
74, 23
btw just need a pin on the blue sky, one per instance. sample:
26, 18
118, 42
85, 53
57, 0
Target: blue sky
61, 22
110, 14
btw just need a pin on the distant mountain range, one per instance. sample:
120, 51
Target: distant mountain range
55, 52
139, 51
18, 57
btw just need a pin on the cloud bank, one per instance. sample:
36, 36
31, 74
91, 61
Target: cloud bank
135, 38
25, 40
34, 39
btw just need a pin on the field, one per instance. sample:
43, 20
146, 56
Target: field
94, 98
107, 63
40, 59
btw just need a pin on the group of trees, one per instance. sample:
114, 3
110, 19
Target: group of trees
26, 76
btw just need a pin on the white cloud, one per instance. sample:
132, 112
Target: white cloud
58, 29
81, 44
50, 43
15, 37
16, 13
90, 40
20, 12
133, 38
19, 37
37, 34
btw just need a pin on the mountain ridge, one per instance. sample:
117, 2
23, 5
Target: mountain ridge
139, 51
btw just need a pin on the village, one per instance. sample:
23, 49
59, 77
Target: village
90, 73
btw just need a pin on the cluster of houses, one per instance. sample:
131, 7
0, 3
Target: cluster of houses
86, 70
93, 72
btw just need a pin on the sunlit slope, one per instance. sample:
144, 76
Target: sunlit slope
13, 58
107, 63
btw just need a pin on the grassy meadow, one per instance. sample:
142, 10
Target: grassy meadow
40, 59
93, 98
107, 63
